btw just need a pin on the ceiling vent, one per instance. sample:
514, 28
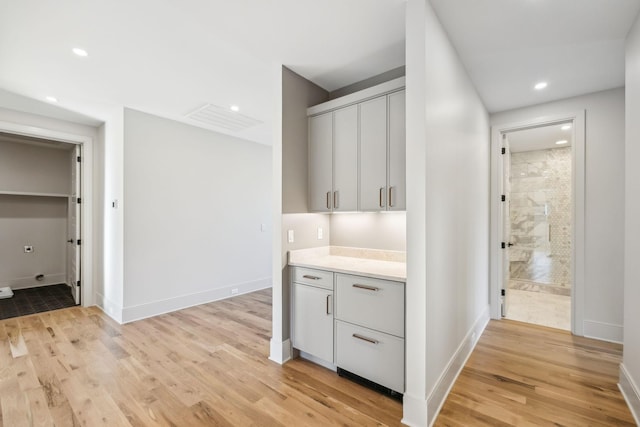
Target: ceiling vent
220, 117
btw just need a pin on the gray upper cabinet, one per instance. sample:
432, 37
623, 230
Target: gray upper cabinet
382, 153
345, 159
373, 154
357, 151
320, 162
397, 172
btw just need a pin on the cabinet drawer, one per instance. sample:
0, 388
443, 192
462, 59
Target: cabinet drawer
373, 303
373, 355
309, 276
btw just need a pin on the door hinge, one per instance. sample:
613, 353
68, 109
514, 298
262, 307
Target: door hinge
504, 150
502, 292
503, 245
78, 283
503, 198
78, 159
79, 242
80, 200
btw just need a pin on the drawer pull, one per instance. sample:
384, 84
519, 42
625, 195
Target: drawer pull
365, 287
328, 298
306, 276
360, 337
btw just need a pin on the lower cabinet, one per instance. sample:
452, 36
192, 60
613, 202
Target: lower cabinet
312, 320
368, 324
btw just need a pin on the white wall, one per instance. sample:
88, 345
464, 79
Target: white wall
373, 230
42, 223
604, 203
194, 203
630, 369
448, 207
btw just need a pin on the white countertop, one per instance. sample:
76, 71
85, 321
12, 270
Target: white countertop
379, 264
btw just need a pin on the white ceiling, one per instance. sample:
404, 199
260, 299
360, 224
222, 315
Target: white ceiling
540, 138
171, 57
507, 46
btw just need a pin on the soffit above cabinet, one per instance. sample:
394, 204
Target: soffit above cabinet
353, 98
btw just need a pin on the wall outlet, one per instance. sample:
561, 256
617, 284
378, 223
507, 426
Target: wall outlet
320, 233
28, 249
234, 291
290, 238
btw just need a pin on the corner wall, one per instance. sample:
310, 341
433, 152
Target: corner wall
630, 368
197, 216
447, 215
604, 203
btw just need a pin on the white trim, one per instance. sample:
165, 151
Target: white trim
88, 298
630, 392
414, 410
359, 96
318, 361
448, 378
110, 308
31, 282
603, 331
578, 223
280, 352
143, 311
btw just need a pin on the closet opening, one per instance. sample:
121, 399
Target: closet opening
40, 223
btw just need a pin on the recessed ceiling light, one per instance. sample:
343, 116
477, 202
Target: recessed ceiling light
80, 52
234, 108
540, 86
51, 99
566, 127
564, 141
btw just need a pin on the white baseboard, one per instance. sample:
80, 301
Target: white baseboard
414, 411
318, 361
110, 308
603, 331
454, 367
280, 351
631, 392
31, 282
142, 311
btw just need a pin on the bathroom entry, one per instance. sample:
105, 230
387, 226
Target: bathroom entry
537, 225
39, 223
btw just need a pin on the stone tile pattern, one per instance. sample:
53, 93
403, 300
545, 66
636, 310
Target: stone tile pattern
539, 308
540, 211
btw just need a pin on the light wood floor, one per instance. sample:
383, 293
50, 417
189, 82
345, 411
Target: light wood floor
203, 366
525, 375
208, 366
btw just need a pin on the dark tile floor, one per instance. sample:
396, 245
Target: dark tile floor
36, 300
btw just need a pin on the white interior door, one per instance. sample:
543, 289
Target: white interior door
73, 227
506, 221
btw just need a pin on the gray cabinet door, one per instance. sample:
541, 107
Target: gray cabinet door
397, 153
373, 154
345, 159
320, 162
312, 321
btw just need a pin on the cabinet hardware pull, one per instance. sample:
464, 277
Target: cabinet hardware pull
306, 276
366, 287
328, 199
381, 193
335, 199
360, 337
328, 296
390, 197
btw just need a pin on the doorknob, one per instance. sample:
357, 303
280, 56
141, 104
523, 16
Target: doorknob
70, 241
509, 244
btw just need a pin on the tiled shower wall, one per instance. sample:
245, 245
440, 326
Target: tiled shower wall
540, 211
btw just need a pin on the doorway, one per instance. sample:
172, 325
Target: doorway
40, 184
537, 224
538, 207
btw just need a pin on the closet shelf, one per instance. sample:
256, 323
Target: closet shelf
27, 193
